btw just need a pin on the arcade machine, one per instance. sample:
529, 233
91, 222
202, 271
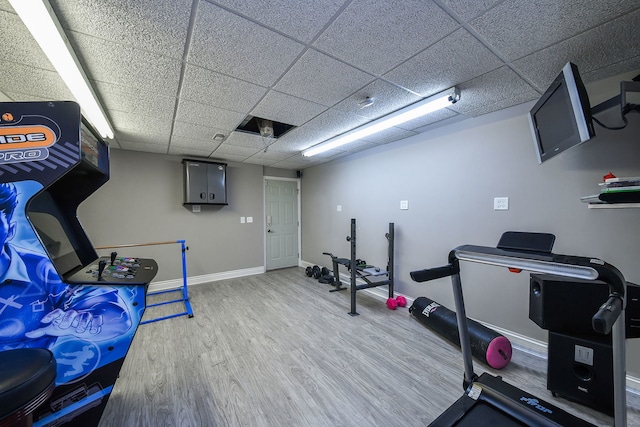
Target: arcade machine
55, 292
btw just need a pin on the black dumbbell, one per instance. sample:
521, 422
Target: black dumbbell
326, 279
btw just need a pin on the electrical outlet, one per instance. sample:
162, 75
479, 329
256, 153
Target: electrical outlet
584, 355
500, 203
404, 204
249, 219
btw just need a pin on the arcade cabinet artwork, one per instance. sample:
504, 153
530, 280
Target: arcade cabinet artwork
55, 292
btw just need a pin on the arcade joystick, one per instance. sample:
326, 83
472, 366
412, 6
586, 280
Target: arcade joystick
113, 257
101, 265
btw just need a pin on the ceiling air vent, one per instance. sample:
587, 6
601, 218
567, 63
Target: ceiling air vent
264, 127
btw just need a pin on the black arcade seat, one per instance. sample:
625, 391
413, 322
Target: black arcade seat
27, 381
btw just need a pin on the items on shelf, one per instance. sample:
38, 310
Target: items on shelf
614, 190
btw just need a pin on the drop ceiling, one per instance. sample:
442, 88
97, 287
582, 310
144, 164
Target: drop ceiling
171, 74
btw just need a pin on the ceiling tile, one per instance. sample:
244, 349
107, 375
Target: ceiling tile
314, 61
151, 25
520, 27
494, 91
243, 139
187, 151
591, 50
387, 99
469, 9
270, 155
313, 77
126, 66
287, 109
131, 136
293, 145
19, 97
455, 59
207, 115
236, 150
441, 123
612, 69
399, 28
250, 52
145, 124
294, 162
142, 146
197, 144
30, 81
182, 130
17, 44
134, 101
227, 157
301, 22
208, 87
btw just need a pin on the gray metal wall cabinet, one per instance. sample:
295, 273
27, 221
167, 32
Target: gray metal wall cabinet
205, 183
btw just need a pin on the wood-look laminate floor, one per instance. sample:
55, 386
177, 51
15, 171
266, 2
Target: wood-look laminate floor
278, 349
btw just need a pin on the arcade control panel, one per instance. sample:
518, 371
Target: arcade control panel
116, 271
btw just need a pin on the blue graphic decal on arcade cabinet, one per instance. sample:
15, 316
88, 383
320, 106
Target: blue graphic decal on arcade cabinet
78, 323
50, 294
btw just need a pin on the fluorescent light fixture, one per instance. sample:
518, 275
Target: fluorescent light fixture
43, 24
533, 265
413, 111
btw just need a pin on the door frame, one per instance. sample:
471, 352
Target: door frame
264, 216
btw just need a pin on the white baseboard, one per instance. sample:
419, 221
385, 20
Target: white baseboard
205, 278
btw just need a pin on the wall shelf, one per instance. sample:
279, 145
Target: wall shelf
613, 205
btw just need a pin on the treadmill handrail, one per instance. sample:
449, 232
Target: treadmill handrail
586, 266
560, 265
607, 319
434, 273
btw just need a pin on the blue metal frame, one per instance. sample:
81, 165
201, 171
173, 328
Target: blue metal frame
185, 292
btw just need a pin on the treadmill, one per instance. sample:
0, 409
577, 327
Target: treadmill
488, 400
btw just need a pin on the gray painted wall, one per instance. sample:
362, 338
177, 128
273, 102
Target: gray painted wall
450, 177
142, 202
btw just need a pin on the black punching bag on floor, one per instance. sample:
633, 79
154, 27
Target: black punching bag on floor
486, 344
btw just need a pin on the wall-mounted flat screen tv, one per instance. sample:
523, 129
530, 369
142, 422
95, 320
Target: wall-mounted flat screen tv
561, 119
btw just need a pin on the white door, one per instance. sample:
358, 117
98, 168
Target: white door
281, 224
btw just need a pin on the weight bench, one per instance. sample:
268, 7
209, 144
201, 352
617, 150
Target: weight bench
363, 272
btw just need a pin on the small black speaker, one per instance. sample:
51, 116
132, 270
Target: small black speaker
563, 304
581, 369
